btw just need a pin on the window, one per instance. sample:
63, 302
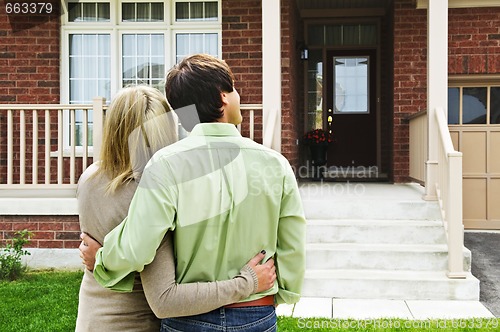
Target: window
474, 104
109, 44
351, 84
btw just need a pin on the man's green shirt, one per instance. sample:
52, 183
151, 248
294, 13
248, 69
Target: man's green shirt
226, 198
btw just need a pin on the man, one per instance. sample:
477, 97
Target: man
224, 196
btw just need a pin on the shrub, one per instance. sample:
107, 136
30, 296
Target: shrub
11, 266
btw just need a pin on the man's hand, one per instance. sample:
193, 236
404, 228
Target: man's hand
88, 249
266, 273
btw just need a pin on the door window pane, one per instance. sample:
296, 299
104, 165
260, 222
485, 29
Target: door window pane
351, 84
474, 105
315, 90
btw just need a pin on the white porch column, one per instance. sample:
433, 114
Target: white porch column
437, 84
271, 74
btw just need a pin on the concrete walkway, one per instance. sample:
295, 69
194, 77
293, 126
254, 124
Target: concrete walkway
373, 309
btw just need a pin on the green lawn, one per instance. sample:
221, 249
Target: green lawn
47, 301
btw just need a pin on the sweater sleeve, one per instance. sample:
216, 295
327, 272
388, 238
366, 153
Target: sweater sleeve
169, 299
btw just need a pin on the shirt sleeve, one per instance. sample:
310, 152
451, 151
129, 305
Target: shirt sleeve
168, 299
133, 243
290, 251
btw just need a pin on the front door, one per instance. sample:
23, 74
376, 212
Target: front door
352, 109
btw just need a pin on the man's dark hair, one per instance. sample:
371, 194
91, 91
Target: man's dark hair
199, 79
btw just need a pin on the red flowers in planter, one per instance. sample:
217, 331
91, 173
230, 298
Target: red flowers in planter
318, 136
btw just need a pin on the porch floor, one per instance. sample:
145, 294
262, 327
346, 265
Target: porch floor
309, 307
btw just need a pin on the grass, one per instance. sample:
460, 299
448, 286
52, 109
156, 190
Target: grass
41, 301
48, 301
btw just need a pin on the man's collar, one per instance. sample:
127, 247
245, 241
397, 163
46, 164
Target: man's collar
215, 129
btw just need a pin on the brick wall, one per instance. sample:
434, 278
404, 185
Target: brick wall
29, 57
410, 78
48, 231
474, 43
242, 50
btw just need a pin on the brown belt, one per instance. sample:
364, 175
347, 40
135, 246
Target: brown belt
267, 300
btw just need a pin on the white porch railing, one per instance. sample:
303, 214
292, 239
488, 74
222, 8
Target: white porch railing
418, 146
449, 193
448, 178
41, 138
250, 111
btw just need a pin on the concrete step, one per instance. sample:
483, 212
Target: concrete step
371, 208
375, 231
397, 285
391, 257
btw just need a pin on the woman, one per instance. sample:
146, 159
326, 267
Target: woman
138, 123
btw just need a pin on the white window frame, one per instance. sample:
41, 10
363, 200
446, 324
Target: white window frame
116, 29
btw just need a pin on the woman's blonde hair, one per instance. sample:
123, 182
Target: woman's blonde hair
138, 123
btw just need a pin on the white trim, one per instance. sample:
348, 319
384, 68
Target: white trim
422, 4
39, 206
271, 73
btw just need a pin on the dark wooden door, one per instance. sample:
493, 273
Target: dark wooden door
351, 107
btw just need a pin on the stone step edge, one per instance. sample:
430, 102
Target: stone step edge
374, 222
391, 247
329, 274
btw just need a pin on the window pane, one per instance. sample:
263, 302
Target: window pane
128, 12
140, 66
351, 84
89, 69
143, 46
157, 45
211, 44
74, 12
495, 105
196, 11
143, 14
368, 34
350, 35
142, 11
103, 12
474, 106
182, 46
157, 11
316, 35
333, 35
315, 90
191, 43
453, 105
211, 11
89, 12
196, 43
182, 11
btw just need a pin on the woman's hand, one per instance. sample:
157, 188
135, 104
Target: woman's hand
88, 249
266, 273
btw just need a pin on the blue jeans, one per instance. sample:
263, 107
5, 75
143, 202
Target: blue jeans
243, 319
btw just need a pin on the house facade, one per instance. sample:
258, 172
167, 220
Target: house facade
359, 69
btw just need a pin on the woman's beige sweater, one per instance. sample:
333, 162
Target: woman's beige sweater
100, 309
